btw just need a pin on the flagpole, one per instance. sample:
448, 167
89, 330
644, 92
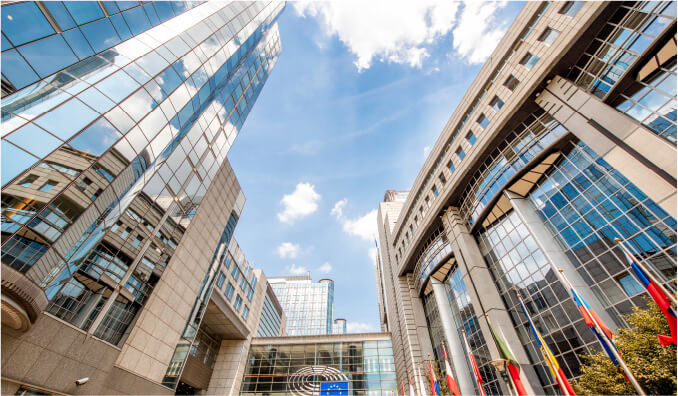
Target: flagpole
648, 271
512, 386
555, 374
608, 343
474, 366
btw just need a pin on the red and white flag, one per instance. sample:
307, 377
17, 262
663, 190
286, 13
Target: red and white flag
451, 383
411, 387
476, 372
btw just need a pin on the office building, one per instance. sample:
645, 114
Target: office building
565, 141
308, 306
355, 364
118, 202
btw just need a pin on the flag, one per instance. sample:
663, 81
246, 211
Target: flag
512, 363
451, 383
591, 319
551, 361
476, 372
421, 382
435, 389
658, 295
411, 387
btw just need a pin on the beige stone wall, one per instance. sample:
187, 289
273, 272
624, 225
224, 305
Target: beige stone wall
53, 354
148, 350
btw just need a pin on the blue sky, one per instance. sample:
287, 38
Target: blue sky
349, 111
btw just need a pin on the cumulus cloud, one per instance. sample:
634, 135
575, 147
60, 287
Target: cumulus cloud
338, 209
364, 227
403, 33
294, 270
325, 268
302, 202
288, 250
359, 327
382, 31
478, 31
427, 150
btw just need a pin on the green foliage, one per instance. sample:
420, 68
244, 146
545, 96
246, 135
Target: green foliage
653, 365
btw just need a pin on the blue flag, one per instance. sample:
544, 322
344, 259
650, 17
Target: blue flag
334, 388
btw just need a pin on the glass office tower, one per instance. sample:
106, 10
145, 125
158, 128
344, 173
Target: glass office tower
116, 120
307, 305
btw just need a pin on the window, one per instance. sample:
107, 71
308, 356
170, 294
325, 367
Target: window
471, 137
220, 281
450, 166
496, 103
238, 303
629, 284
28, 180
483, 121
442, 178
24, 22
250, 294
125, 233
511, 82
83, 183
245, 312
416, 220
549, 36
460, 153
48, 186
229, 291
570, 8
235, 273
428, 202
96, 194
137, 241
116, 226
434, 190
529, 60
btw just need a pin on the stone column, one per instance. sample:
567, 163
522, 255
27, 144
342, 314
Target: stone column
554, 253
644, 158
485, 298
454, 347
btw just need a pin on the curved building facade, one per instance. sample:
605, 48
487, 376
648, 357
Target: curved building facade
565, 141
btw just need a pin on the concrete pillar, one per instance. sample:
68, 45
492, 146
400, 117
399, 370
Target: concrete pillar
485, 298
644, 158
554, 254
454, 347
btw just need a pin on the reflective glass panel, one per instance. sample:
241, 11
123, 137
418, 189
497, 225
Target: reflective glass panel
24, 22
101, 35
84, 11
48, 55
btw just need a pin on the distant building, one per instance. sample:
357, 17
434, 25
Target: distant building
339, 326
307, 305
359, 364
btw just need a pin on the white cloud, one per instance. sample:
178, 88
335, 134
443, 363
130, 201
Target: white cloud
338, 209
402, 32
325, 268
288, 250
478, 31
294, 270
358, 327
364, 227
427, 150
381, 30
302, 202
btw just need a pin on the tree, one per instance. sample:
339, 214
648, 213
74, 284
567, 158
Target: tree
653, 365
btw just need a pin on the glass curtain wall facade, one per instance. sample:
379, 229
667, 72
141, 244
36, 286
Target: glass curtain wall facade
367, 367
308, 306
130, 140
586, 204
271, 319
